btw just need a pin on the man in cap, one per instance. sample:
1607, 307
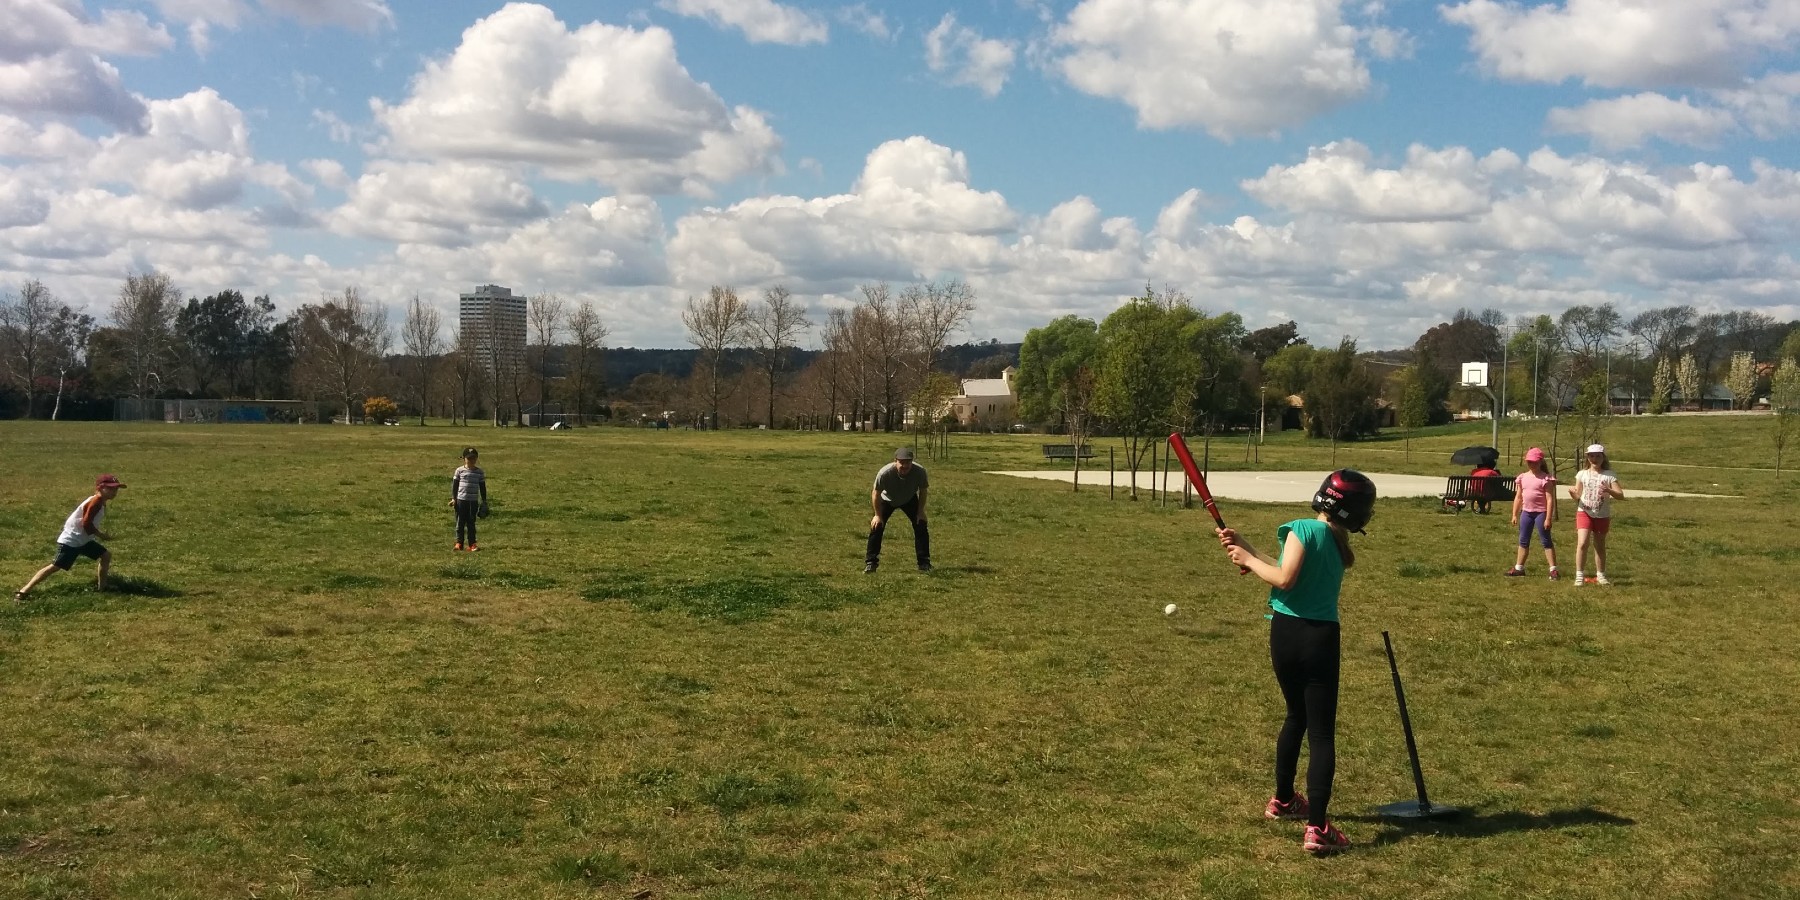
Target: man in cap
80, 536
900, 485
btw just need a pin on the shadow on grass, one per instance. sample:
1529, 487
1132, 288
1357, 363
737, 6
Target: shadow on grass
1475, 824
69, 598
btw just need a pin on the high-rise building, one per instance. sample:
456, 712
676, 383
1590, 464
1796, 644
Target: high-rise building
494, 319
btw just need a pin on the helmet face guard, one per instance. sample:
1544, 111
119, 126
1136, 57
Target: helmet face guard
1347, 497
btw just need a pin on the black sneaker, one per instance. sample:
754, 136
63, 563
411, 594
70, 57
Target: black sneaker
924, 567
869, 568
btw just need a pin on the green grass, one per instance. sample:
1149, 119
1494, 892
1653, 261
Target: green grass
665, 673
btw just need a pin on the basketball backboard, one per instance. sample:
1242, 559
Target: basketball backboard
1475, 374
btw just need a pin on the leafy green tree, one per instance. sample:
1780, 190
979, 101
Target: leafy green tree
1051, 365
1341, 395
1415, 406
1591, 409
1790, 346
1266, 342
1218, 365
1146, 374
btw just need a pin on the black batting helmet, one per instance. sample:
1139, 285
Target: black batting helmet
1347, 497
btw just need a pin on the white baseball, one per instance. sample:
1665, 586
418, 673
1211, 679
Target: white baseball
1169, 610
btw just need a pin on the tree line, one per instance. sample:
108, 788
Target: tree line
879, 357
1157, 363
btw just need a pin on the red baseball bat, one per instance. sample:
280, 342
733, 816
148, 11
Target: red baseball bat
1179, 445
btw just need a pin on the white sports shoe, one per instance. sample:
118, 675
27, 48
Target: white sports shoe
1601, 579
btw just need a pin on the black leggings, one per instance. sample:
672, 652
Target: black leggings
465, 520
1306, 656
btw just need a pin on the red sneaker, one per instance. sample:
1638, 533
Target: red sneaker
1295, 808
473, 548
459, 546
1323, 839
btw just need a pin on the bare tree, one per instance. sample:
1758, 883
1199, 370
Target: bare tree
933, 312
546, 313
423, 336
69, 333
339, 347
834, 363
466, 370
588, 334
144, 317
715, 324
25, 337
884, 341
773, 328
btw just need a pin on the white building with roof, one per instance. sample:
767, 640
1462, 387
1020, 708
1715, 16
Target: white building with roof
986, 401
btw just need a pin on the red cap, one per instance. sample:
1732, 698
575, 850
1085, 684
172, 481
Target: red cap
106, 481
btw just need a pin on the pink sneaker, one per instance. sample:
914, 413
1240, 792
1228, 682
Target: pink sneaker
1295, 808
1324, 839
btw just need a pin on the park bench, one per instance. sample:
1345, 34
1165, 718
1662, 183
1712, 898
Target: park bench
1067, 451
1461, 491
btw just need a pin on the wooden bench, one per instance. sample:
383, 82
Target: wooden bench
1461, 491
1067, 451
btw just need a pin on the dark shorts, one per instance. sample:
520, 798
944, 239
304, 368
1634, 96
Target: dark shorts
66, 555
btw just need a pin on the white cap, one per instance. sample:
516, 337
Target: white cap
1596, 448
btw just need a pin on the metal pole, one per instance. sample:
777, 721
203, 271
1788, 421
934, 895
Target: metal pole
1110, 468
1424, 807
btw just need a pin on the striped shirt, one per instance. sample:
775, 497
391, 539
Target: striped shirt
468, 483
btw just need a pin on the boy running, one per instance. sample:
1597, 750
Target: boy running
79, 535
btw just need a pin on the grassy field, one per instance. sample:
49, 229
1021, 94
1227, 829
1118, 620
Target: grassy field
665, 676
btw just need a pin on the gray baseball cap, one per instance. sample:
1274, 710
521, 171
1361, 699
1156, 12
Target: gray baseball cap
903, 453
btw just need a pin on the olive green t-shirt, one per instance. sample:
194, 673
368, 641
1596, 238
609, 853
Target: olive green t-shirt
898, 489
1315, 593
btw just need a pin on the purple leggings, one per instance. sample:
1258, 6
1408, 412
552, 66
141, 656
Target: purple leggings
1531, 520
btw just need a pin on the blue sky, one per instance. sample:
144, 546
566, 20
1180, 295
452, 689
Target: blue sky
1365, 168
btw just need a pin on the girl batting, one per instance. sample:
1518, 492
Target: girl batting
1304, 643
1594, 490
1534, 509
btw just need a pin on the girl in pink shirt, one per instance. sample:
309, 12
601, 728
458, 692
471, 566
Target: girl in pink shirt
1534, 508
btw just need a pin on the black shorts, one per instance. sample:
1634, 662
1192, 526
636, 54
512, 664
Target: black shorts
66, 555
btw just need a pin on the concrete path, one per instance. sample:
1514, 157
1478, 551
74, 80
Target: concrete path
1284, 487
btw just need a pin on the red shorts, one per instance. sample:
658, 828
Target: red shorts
1585, 522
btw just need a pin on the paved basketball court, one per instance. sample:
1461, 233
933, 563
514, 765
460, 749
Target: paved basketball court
1280, 487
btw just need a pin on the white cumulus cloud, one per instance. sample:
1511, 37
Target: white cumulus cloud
1630, 121
761, 21
1627, 43
600, 102
1232, 67
1339, 178
355, 15
962, 56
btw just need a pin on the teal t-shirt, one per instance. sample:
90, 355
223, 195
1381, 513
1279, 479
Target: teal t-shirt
1315, 593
